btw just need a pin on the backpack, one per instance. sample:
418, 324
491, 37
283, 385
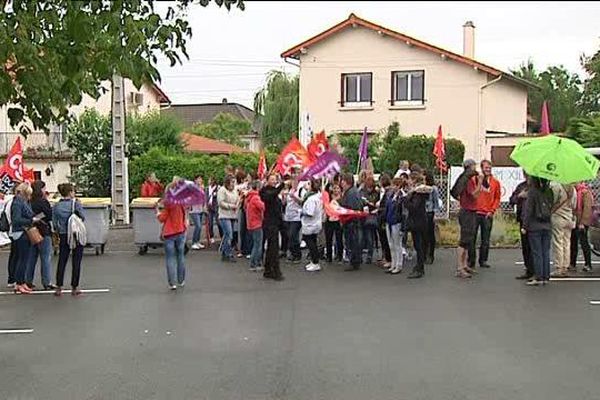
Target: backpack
461, 184
77, 233
543, 202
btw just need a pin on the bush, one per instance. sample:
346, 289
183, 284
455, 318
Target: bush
167, 164
225, 127
153, 129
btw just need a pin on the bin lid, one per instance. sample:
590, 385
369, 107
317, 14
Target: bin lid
89, 201
145, 202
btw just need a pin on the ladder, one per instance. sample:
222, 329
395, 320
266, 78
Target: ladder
119, 170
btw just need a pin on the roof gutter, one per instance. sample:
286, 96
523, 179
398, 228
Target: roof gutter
291, 63
480, 135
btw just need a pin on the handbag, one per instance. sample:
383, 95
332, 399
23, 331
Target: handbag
34, 235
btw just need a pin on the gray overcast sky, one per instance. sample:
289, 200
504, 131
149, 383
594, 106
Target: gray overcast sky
230, 53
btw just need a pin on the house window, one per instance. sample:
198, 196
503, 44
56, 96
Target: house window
357, 89
408, 87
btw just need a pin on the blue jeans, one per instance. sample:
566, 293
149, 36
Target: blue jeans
256, 237
197, 220
540, 241
23, 246
175, 251
44, 250
227, 228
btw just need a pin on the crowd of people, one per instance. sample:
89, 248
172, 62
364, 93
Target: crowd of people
34, 226
267, 220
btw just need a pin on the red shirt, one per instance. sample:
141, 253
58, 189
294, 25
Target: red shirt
151, 189
255, 210
467, 200
488, 199
174, 220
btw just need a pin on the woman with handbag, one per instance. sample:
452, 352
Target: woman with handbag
66, 207
41, 205
370, 196
21, 220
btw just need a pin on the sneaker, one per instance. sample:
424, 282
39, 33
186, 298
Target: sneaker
558, 274
485, 265
533, 282
396, 271
201, 246
572, 268
523, 277
587, 268
248, 257
252, 269
415, 275
308, 266
313, 267
173, 287
196, 246
182, 284
11, 285
212, 241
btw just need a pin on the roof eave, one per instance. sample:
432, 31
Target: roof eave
521, 81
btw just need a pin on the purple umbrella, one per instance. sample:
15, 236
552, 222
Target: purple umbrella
184, 193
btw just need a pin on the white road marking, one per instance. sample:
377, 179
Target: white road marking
581, 262
65, 292
582, 279
595, 302
14, 331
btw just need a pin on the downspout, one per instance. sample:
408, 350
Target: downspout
480, 115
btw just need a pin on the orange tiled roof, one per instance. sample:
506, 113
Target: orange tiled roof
201, 144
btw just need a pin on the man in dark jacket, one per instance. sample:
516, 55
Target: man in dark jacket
352, 200
518, 198
271, 224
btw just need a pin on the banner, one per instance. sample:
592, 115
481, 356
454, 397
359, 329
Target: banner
327, 165
262, 166
13, 171
318, 146
294, 155
439, 151
509, 178
336, 211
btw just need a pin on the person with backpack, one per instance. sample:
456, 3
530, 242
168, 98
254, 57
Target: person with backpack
583, 219
67, 217
41, 205
465, 190
563, 222
537, 224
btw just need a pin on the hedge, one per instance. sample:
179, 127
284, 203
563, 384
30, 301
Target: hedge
167, 164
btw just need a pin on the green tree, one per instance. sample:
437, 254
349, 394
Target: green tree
153, 129
560, 88
90, 138
225, 127
54, 51
276, 105
591, 86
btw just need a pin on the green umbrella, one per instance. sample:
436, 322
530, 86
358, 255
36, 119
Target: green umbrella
555, 158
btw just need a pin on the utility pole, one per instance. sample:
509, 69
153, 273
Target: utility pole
119, 168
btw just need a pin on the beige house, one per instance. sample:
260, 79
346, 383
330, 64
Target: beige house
358, 74
48, 155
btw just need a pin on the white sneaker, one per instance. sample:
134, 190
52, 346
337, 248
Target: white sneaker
248, 257
196, 246
182, 284
11, 285
308, 266
201, 246
173, 287
212, 241
313, 268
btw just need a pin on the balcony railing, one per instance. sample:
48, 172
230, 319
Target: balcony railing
36, 143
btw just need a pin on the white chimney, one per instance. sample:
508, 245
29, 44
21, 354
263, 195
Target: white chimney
469, 39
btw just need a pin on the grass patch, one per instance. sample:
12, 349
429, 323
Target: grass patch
505, 231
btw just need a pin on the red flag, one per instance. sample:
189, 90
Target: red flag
28, 175
335, 210
318, 145
439, 151
545, 128
262, 165
293, 155
14, 161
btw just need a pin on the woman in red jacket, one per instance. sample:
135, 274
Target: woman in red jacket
255, 210
151, 187
175, 221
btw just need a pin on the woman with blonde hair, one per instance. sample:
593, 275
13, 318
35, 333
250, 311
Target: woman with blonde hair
21, 218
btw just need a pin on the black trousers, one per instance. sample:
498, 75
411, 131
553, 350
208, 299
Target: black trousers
271, 233
385, 245
580, 236
333, 228
484, 224
63, 257
283, 232
313, 249
12, 262
352, 231
526, 251
429, 237
418, 242
294, 236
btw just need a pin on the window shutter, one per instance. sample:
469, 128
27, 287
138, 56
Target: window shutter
342, 90
392, 88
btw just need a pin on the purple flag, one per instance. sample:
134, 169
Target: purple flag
362, 148
327, 165
184, 193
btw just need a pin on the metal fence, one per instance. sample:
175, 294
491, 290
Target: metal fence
35, 142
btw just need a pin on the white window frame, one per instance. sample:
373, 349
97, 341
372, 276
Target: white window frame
410, 101
356, 76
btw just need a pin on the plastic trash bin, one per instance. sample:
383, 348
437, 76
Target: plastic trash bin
146, 227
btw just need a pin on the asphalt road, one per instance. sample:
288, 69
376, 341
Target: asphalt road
329, 335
